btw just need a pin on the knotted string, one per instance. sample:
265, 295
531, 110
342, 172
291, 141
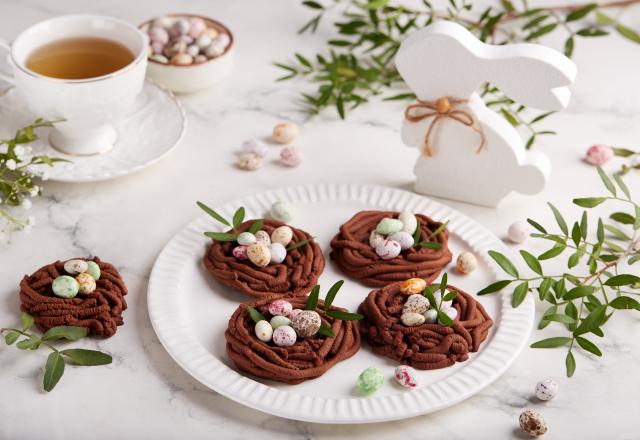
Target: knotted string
442, 108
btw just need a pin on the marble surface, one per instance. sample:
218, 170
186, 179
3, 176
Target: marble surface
144, 394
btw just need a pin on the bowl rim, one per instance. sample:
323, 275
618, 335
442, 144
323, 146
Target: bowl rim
216, 23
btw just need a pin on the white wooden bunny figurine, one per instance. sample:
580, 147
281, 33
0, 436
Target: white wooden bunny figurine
469, 152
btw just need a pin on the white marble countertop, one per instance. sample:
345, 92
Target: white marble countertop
144, 394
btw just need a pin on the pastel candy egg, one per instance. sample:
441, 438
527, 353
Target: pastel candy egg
370, 380
173, 49
74, 267
179, 27
181, 59
158, 35
157, 48
306, 323
186, 39
413, 285
65, 286
388, 249
159, 58
163, 22
93, 269
193, 50
430, 316
263, 330
282, 235
278, 253
249, 161
263, 236
280, 307
409, 222
404, 238
259, 254
284, 336
210, 32
532, 423
203, 41
388, 226
411, 319
86, 282
240, 253
291, 156
246, 238
445, 304
416, 303
256, 147
222, 39
285, 132
199, 59
214, 50
375, 239
294, 313
546, 389
466, 262
450, 312
279, 321
519, 231
282, 211
196, 26
406, 376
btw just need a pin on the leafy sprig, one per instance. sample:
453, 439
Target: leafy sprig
445, 295
238, 218
428, 243
632, 159
312, 304
597, 282
55, 365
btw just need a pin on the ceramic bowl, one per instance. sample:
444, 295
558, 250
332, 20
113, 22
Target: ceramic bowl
193, 77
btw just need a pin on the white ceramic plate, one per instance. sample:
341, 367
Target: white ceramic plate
148, 132
189, 312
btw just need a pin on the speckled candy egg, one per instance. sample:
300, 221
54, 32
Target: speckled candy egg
214, 50
86, 282
466, 262
411, 319
519, 231
246, 238
93, 269
294, 313
223, 39
388, 249
181, 59
65, 286
158, 34
173, 49
406, 376
412, 286
370, 380
249, 161
282, 235
375, 239
291, 156
450, 312
200, 59
279, 321
409, 222
259, 254
306, 323
263, 331
532, 423
416, 303
74, 267
404, 238
263, 236
388, 226
211, 32
159, 58
280, 307
284, 336
157, 48
282, 211
203, 41
163, 22
196, 26
256, 147
546, 389
179, 27
193, 50
278, 253
240, 253
430, 316
285, 132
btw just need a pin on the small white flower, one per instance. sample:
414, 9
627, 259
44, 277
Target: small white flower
26, 204
45, 175
19, 151
34, 191
11, 164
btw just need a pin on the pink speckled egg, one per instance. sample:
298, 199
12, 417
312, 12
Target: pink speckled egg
406, 376
388, 249
240, 253
284, 336
291, 156
280, 307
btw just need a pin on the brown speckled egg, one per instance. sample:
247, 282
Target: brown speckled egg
532, 423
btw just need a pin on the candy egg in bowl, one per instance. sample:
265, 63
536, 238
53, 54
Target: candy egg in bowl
188, 53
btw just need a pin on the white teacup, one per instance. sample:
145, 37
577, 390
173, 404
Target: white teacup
86, 106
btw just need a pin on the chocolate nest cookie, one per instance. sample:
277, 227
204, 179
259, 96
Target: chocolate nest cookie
425, 346
99, 311
308, 358
296, 275
354, 255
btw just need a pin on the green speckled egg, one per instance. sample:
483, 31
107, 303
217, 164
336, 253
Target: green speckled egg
93, 270
65, 287
370, 380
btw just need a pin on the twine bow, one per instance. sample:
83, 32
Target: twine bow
442, 108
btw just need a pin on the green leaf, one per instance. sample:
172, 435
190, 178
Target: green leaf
312, 299
65, 332
600, 232
617, 233
53, 371
255, 315
213, 214
554, 342
625, 302
578, 292
622, 280
623, 152
581, 12
31, 343
26, 320
556, 250
428, 292
238, 217
450, 296
84, 357
559, 219
430, 245
519, 294
592, 321
345, 316
11, 337
313, 5
509, 117
444, 319
537, 225
543, 30
544, 288
573, 260
592, 32
400, 97
541, 117
256, 225
588, 346
326, 331
576, 234
333, 291
534, 21
570, 363
531, 261
556, 317
494, 287
584, 225
299, 244
623, 217
606, 181
589, 202
603, 19
636, 225
221, 236
543, 321
376, 4
628, 33
504, 263
443, 283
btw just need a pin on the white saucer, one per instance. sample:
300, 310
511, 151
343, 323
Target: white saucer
147, 133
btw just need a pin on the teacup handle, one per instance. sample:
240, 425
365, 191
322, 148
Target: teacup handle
5, 62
